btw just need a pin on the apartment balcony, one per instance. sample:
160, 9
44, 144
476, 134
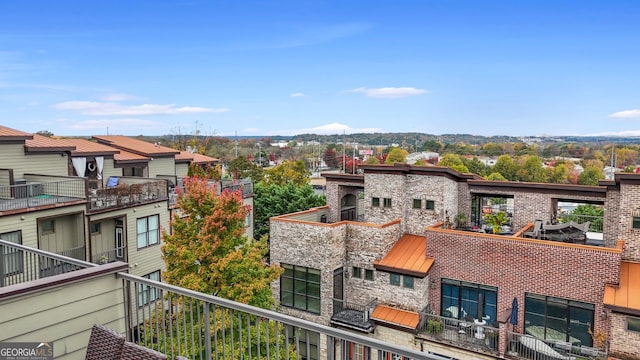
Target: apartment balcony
476, 336
352, 315
36, 191
169, 319
245, 185
109, 256
128, 192
527, 347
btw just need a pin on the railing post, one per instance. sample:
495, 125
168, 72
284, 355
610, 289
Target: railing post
207, 331
1, 265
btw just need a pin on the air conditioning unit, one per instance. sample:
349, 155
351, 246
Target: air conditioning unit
34, 189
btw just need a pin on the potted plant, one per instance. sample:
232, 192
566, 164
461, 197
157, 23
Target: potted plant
461, 221
495, 221
492, 338
434, 326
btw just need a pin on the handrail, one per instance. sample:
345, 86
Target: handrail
67, 259
283, 318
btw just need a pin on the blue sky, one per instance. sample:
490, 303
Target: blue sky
289, 67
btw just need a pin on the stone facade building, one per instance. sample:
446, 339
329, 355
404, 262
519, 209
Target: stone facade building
405, 252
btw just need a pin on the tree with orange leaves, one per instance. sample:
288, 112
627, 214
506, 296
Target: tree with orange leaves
208, 252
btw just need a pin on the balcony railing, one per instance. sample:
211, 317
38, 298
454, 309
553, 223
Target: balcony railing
181, 322
76, 253
20, 264
129, 192
35, 193
595, 222
528, 347
468, 334
104, 257
246, 185
352, 315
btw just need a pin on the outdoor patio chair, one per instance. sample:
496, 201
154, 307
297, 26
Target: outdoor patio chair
131, 351
104, 343
536, 230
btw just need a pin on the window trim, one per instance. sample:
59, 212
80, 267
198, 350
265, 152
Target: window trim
95, 228
395, 279
147, 231
635, 319
375, 202
417, 203
387, 202
306, 295
368, 274
635, 220
430, 205
405, 284
356, 272
46, 230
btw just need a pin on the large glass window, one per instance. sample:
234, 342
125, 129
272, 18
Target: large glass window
13, 263
461, 299
148, 231
146, 293
300, 288
558, 319
633, 324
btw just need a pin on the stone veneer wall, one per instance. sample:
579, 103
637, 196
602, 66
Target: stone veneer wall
442, 190
384, 186
318, 246
518, 266
629, 203
623, 344
365, 244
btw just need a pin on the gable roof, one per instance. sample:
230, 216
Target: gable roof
625, 295
129, 157
41, 143
135, 146
9, 134
396, 317
85, 147
407, 256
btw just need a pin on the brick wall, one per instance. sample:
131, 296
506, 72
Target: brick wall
629, 203
611, 221
518, 266
623, 344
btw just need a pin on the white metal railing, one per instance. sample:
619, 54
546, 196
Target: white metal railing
181, 322
522, 346
33, 193
21, 264
470, 333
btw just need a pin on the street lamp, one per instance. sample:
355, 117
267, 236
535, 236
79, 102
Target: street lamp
259, 153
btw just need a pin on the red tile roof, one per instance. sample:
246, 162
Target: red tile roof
396, 317
135, 146
408, 256
86, 147
625, 295
42, 143
11, 134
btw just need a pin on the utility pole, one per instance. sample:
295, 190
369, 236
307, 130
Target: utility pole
344, 149
236, 146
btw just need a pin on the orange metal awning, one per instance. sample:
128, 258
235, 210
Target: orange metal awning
397, 317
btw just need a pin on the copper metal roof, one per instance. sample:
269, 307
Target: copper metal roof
11, 134
184, 156
397, 317
125, 156
203, 159
86, 147
625, 295
407, 256
135, 146
42, 143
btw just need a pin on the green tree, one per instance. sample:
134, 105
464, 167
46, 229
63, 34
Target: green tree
590, 176
506, 166
454, 162
495, 221
431, 145
273, 200
289, 172
207, 251
496, 176
559, 174
372, 160
396, 155
531, 170
586, 212
241, 168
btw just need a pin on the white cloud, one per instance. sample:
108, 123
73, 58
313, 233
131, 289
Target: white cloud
624, 133
295, 95
95, 108
389, 92
112, 124
251, 130
118, 97
626, 114
327, 129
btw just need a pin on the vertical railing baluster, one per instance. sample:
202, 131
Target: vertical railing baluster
170, 327
330, 348
207, 331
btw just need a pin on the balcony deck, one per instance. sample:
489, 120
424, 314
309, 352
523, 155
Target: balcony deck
34, 194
